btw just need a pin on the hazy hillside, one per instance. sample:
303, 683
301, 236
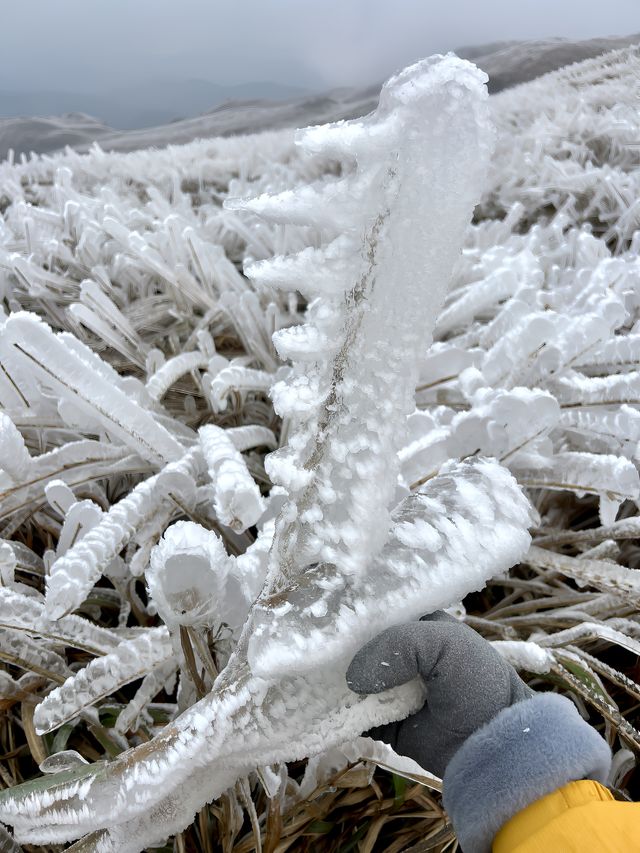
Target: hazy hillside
240, 117
49, 134
145, 103
507, 63
510, 63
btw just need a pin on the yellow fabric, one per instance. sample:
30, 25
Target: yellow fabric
581, 817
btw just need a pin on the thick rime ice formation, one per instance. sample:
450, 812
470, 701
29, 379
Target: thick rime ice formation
237, 499
135, 362
445, 540
393, 224
73, 574
102, 677
193, 581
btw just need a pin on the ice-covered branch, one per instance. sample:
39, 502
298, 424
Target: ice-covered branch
74, 573
130, 660
403, 204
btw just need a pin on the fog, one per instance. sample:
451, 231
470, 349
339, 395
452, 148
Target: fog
73, 44
133, 53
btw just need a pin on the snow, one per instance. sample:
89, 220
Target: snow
188, 576
525, 655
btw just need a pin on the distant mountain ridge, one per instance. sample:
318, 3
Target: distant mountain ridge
164, 101
506, 63
511, 63
45, 135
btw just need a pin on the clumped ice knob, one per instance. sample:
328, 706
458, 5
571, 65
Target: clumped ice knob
191, 579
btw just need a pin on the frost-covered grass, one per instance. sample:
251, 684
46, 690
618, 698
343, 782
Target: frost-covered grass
136, 418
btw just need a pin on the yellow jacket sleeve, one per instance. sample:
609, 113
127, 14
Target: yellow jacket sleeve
581, 817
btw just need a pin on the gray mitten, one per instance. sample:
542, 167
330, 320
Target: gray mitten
467, 683
500, 754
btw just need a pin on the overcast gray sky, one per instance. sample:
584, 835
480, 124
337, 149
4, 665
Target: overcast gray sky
100, 44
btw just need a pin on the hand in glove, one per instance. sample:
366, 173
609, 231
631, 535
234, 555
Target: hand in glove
467, 683
496, 753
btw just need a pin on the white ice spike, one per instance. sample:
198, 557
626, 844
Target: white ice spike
413, 172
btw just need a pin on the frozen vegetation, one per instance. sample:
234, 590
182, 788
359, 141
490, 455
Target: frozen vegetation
264, 397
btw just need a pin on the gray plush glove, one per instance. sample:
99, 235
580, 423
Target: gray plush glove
495, 753
467, 683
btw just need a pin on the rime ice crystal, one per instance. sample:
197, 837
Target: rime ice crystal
192, 580
465, 526
417, 166
237, 501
